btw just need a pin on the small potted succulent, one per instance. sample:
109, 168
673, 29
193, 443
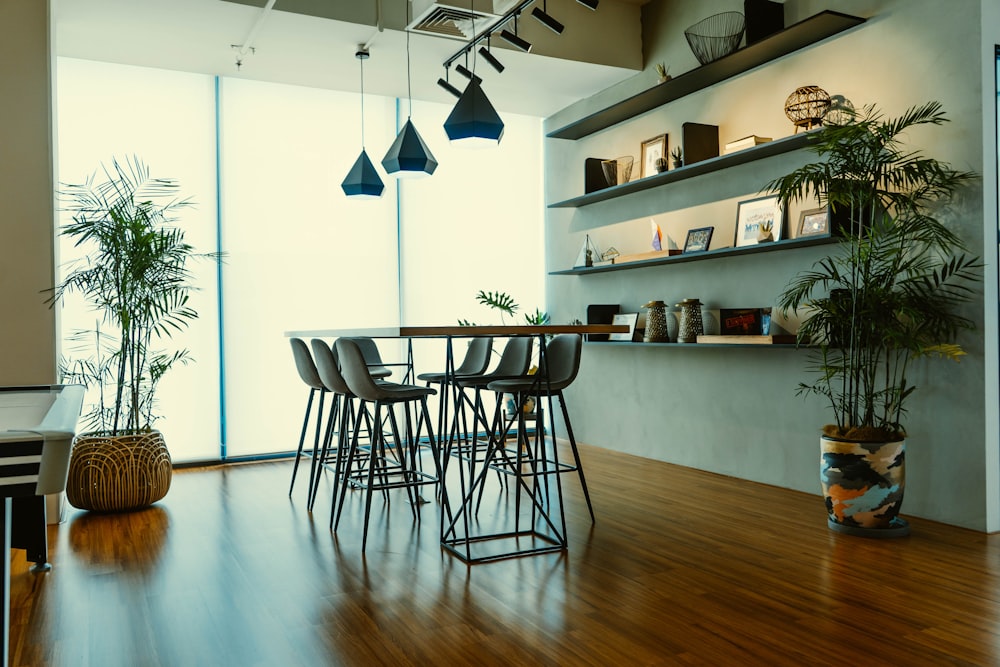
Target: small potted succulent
678, 157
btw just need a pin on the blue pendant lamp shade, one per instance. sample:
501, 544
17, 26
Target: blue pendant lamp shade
362, 180
474, 121
409, 155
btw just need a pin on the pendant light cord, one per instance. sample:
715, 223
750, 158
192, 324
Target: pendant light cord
409, 91
362, 103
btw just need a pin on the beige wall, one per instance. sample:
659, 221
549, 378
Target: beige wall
27, 325
735, 411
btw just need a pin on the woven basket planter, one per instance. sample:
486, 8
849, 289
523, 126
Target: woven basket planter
117, 473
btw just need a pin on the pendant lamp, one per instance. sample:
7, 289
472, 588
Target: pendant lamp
409, 156
363, 180
473, 122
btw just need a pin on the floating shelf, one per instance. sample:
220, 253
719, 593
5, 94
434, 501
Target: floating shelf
791, 39
787, 244
782, 346
759, 152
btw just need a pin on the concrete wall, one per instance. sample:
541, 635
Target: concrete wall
734, 411
27, 325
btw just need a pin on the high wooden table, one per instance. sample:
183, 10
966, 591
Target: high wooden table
458, 522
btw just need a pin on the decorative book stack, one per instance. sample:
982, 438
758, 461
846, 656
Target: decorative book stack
745, 142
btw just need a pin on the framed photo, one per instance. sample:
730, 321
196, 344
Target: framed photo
625, 318
814, 222
652, 150
698, 239
740, 321
758, 220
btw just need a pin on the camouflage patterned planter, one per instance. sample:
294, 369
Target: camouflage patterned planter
863, 485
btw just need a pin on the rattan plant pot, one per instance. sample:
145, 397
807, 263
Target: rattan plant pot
115, 473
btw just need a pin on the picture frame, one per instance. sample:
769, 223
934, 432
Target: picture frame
652, 149
698, 240
752, 218
624, 318
814, 222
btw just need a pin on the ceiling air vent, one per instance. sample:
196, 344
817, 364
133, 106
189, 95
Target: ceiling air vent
455, 22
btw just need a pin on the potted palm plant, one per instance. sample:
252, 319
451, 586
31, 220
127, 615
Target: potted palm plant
134, 273
892, 292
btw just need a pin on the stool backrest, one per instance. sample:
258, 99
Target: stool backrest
369, 350
562, 357
355, 370
477, 357
516, 357
326, 366
304, 364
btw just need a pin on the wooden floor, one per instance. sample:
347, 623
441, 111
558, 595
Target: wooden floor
682, 567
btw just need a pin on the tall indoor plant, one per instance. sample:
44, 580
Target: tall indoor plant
890, 293
135, 275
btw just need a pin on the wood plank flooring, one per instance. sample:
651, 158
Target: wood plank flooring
682, 567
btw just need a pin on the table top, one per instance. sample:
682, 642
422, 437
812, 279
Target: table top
457, 330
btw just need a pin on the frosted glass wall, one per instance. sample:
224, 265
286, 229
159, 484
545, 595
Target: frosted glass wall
301, 255
165, 118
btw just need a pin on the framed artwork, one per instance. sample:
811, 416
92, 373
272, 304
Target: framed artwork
814, 222
652, 150
625, 318
758, 220
698, 239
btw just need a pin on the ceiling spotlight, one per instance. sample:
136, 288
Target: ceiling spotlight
515, 41
491, 59
589, 4
450, 88
464, 71
546, 20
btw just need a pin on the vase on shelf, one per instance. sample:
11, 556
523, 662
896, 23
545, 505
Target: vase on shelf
691, 325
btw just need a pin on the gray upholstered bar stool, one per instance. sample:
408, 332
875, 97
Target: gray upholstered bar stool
391, 465
476, 361
369, 350
514, 363
343, 407
309, 375
561, 363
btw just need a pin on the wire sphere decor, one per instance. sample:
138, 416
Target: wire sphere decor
716, 36
806, 107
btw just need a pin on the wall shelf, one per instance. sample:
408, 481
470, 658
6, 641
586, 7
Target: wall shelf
787, 244
791, 39
625, 343
776, 147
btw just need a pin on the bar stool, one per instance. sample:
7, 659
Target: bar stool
309, 375
369, 350
476, 361
386, 469
514, 363
343, 406
558, 370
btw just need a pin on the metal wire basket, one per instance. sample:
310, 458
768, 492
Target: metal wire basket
716, 36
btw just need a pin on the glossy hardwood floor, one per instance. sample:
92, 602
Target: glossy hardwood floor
682, 567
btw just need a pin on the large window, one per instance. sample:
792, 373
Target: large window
165, 118
264, 162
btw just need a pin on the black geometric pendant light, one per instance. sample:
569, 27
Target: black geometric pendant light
409, 156
474, 121
362, 180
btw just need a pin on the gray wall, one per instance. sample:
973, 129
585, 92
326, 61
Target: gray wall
27, 325
734, 411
